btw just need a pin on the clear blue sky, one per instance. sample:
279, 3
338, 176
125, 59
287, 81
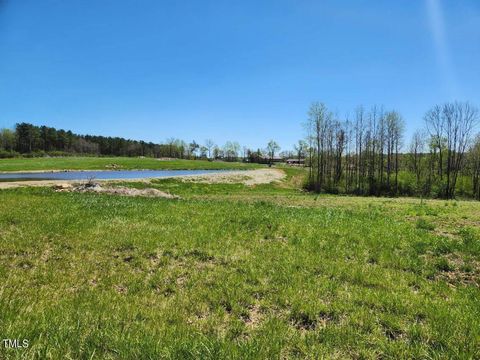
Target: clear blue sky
230, 70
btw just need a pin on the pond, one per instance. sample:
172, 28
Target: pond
100, 174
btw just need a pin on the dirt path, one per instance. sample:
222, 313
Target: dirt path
16, 184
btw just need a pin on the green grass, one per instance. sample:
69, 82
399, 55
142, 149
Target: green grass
237, 272
123, 163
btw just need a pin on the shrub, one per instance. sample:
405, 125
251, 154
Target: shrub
8, 154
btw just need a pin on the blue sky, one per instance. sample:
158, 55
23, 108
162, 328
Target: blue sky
230, 70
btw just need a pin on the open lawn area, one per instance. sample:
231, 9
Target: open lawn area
234, 271
117, 163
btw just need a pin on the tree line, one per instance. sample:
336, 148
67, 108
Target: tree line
366, 155
31, 140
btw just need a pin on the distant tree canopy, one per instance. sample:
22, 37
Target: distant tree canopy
31, 140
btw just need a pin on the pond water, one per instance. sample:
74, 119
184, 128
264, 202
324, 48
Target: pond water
100, 175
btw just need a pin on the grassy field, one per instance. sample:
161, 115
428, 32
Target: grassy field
230, 271
122, 163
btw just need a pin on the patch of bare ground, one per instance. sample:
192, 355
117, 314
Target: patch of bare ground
392, 333
93, 282
449, 227
460, 271
121, 289
113, 166
46, 255
253, 316
199, 317
445, 233
246, 177
304, 322
120, 190
18, 184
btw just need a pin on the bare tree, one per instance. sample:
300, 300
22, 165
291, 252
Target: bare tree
230, 150
359, 138
398, 137
452, 125
435, 126
209, 144
365, 156
300, 149
170, 143
272, 148
319, 119
475, 167
417, 149
461, 119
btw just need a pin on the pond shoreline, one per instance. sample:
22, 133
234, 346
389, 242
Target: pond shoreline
81, 175
102, 170
247, 177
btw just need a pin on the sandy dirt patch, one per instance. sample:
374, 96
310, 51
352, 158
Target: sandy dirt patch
247, 177
16, 184
119, 190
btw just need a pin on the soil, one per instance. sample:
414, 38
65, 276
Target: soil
247, 177
120, 190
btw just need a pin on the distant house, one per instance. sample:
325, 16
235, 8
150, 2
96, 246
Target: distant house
295, 161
